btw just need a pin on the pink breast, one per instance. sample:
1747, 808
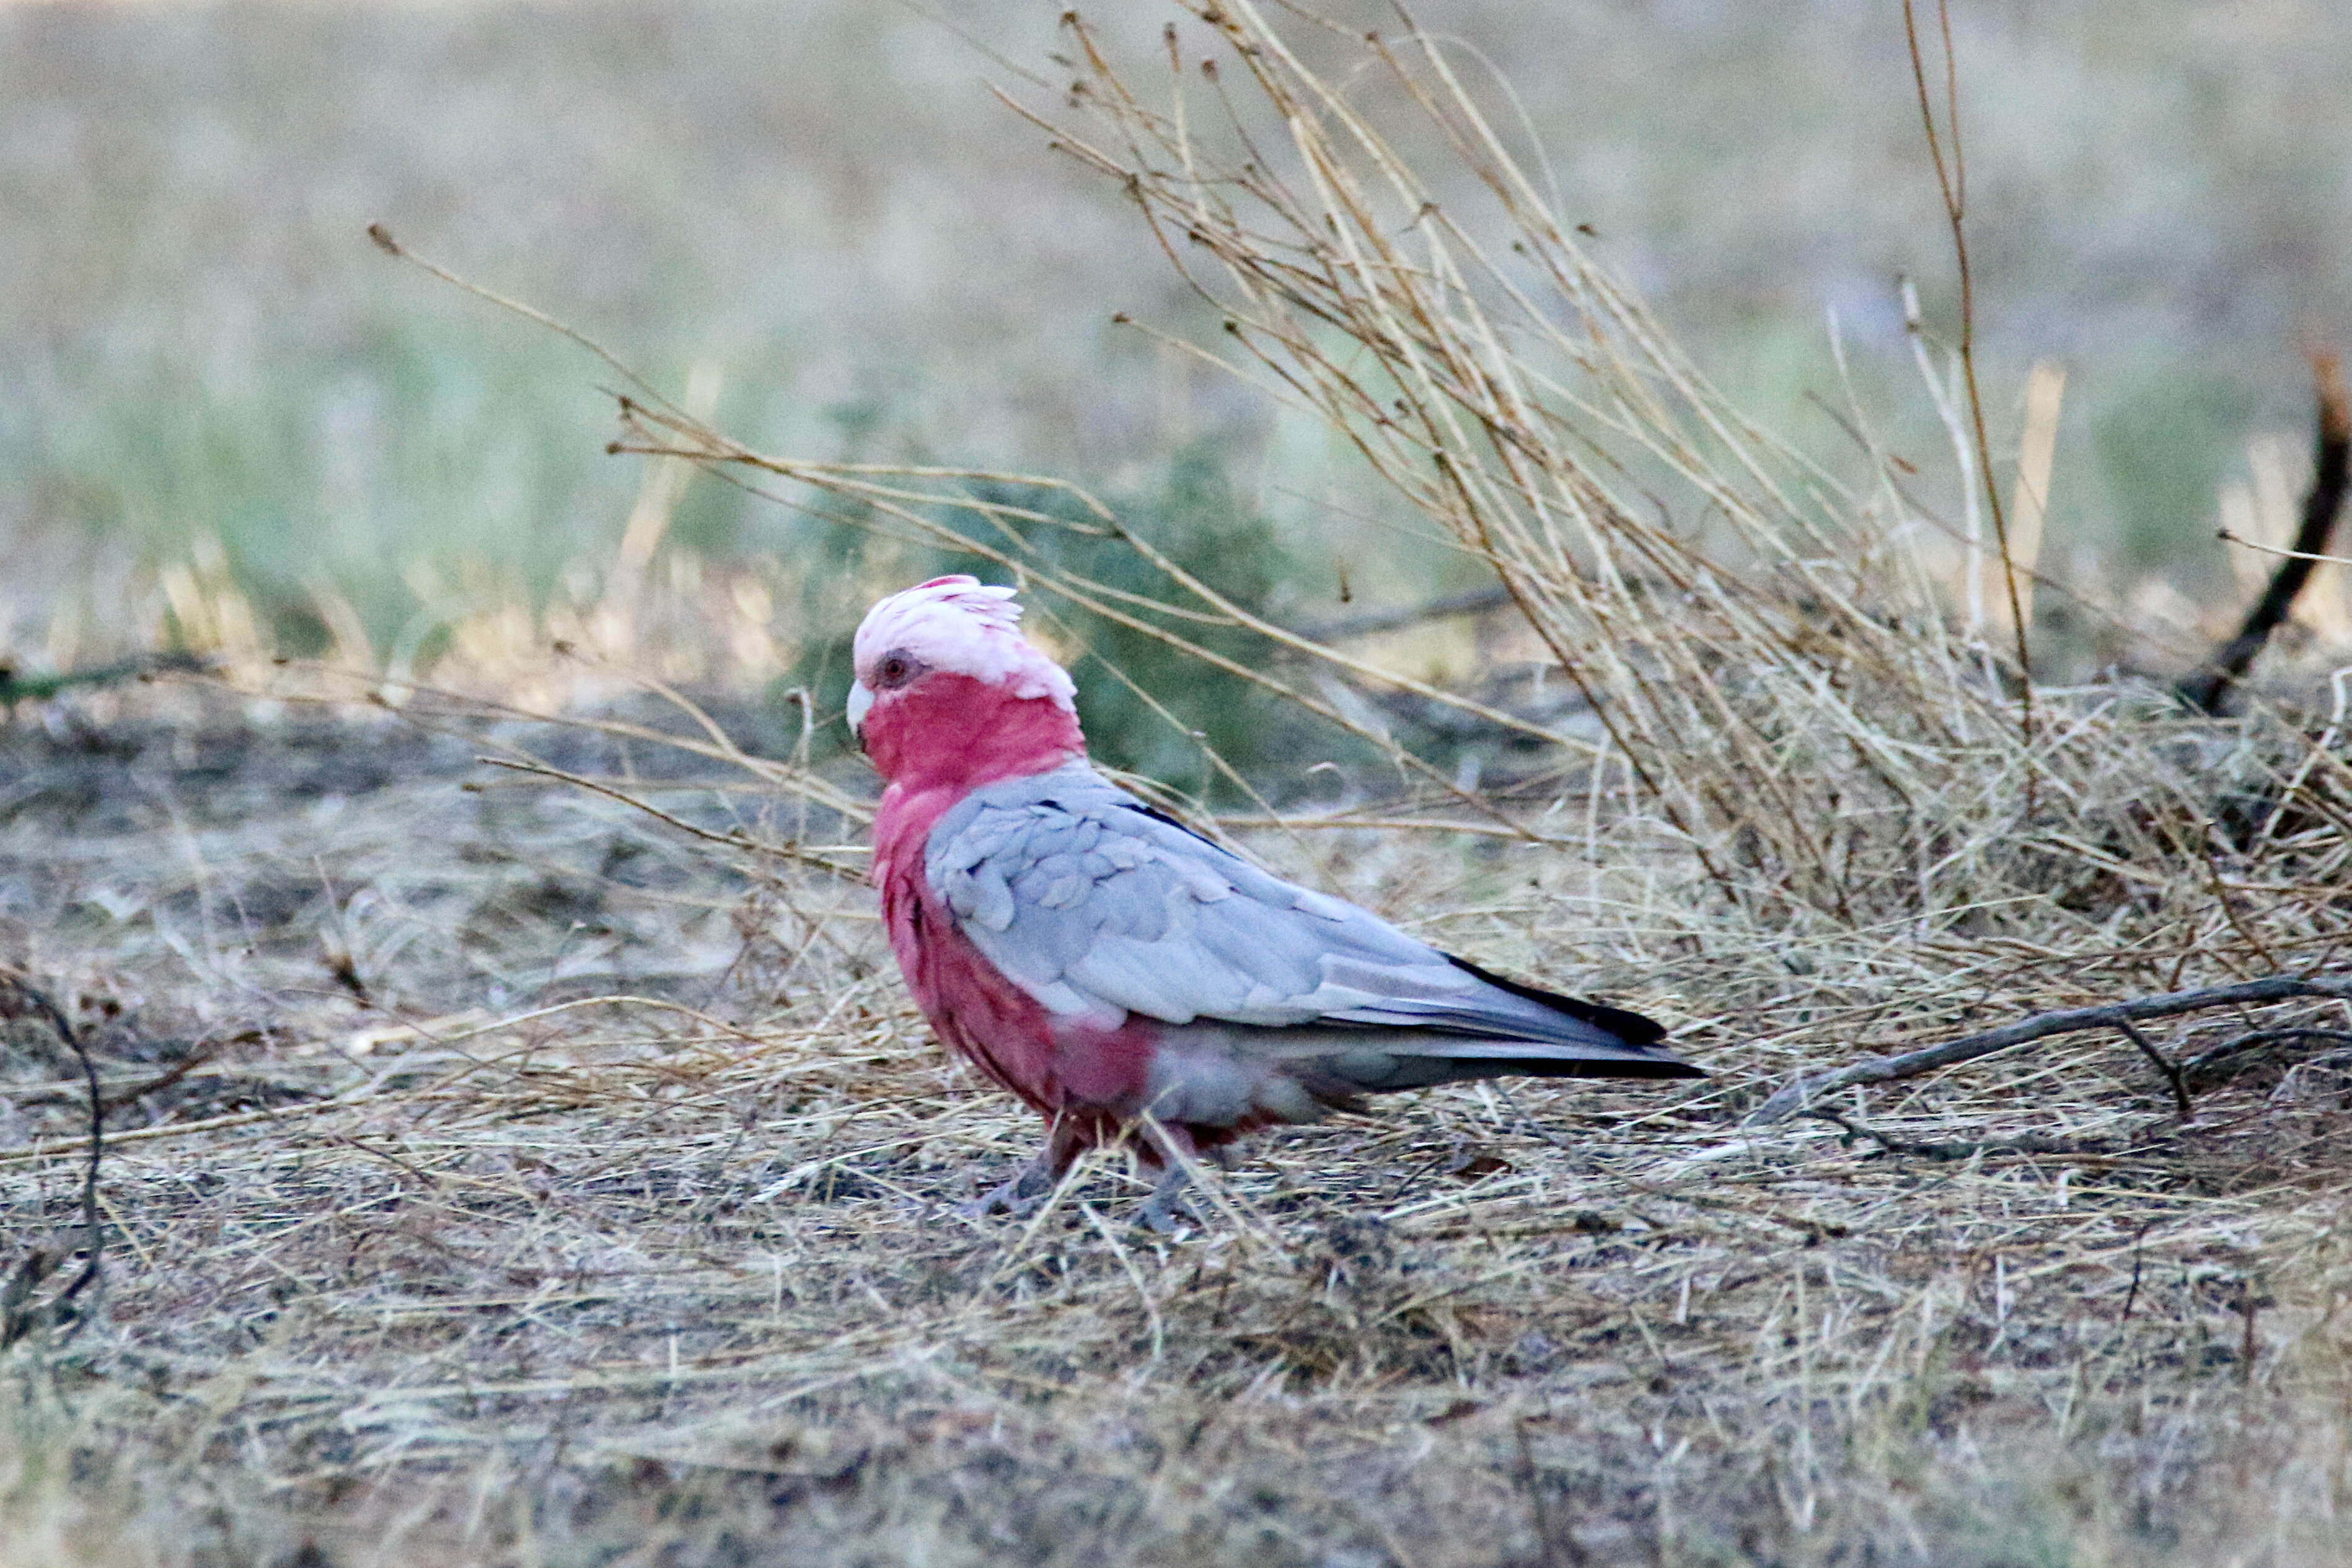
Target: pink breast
1062, 1069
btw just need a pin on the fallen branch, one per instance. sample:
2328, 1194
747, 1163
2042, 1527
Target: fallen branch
15, 688
2226, 1060
1790, 1101
198, 1054
1968, 1149
1814, 1231
20, 1313
2331, 464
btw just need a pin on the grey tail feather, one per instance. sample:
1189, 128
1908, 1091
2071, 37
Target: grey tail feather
1660, 1066
1383, 1073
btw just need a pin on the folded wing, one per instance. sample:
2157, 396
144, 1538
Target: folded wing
1098, 907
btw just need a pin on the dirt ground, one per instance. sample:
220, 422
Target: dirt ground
496, 1173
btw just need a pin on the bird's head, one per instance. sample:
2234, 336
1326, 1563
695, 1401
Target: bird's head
948, 690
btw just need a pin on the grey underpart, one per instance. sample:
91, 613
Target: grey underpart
1212, 1075
1100, 909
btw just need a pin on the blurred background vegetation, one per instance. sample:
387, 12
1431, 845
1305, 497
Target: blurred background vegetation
817, 213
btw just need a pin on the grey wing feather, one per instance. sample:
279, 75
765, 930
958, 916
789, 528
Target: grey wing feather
1098, 907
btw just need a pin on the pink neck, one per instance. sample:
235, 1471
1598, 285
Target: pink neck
953, 733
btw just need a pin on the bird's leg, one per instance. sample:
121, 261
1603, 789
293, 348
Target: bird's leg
1179, 1153
1017, 1196
1030, 1184
1158, 1212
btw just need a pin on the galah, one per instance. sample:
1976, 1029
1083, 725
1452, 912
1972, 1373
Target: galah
1113, 969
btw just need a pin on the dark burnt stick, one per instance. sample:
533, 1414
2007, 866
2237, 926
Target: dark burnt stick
2209, 688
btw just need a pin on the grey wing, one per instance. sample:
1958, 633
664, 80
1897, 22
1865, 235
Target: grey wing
1099, 908
1093, 905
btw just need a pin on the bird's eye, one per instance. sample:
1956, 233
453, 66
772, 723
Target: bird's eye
895, 669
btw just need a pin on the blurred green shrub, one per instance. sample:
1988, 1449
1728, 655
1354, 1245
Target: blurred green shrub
2163, 446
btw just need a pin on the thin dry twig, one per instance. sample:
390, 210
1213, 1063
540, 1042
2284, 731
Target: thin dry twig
780, 850
382, 239
2226, 537
1952, 182
2173, 1075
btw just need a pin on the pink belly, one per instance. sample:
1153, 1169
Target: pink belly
1094, 1078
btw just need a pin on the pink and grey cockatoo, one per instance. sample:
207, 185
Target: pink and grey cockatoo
1103, 961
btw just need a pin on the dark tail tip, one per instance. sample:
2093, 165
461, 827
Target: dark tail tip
1631, 1028
1652, 1068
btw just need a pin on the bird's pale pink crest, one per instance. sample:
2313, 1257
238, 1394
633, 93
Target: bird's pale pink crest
949, 694
966, 627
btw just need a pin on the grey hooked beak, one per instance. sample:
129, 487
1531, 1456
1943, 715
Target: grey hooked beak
860, 701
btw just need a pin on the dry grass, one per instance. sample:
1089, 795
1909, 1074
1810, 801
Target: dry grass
566, 1184
614, 1220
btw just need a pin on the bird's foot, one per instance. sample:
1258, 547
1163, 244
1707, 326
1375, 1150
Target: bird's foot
1171, 1199
1160, 1211
1018, 1198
